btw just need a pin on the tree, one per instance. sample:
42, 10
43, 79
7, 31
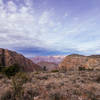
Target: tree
44, 68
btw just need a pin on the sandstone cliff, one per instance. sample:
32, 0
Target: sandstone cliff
74, 62
8, 58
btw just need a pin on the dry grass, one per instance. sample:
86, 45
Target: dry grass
71, 85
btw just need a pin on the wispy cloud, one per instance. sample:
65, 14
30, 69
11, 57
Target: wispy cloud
23, 26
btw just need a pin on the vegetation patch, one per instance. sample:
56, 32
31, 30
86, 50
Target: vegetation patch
17, 84
54, 71
11, 70
98, 79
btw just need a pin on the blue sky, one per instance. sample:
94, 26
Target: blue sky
50, 27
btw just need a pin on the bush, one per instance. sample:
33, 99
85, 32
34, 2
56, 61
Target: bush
89, 69
1, 68
44, 68
55, 96
54, 71
98, 79
17, 84
16, 91
11, 70
81, 68
7, 95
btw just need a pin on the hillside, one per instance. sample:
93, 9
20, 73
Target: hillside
74, 62
72, 85
49, 65
8, 58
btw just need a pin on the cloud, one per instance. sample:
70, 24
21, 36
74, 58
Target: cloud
23, 26
44, 18
66, 14
19, 27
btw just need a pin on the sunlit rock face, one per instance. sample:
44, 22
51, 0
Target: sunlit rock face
8, 58
74, 62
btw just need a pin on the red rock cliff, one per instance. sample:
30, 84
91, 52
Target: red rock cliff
8, 58
73, 62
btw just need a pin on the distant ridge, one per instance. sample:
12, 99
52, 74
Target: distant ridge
54, 59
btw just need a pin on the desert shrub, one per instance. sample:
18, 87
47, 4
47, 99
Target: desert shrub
30, 92
98, 79
17, 84
55, 96
89, 69
91, 95
42, 77
11, 70
63, 69
7, 96
1, 68
54, 71
44, 68
81, 68
37, 72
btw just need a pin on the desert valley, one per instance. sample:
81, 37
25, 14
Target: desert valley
49, 49
76, 77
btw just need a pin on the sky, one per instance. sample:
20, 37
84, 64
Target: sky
50, 27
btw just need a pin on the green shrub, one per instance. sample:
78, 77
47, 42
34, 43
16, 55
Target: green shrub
54, 71
11, 70
81, 68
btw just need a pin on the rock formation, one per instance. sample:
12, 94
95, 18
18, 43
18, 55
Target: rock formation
54, 59
74, 62
8, 58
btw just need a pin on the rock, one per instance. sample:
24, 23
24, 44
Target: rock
53, 59
74, 62
8, 58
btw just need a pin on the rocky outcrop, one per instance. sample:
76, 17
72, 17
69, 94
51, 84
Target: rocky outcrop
74, 62
8, 58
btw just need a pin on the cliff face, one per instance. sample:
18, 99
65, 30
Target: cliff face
73, 62
8, 58
54, 59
